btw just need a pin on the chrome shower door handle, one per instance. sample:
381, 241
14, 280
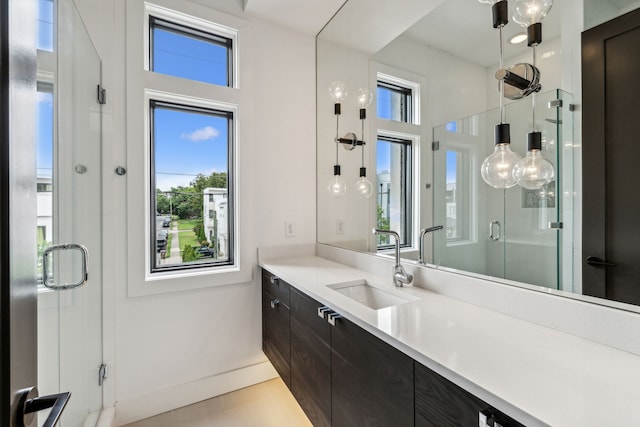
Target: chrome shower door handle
492, 226
64, 247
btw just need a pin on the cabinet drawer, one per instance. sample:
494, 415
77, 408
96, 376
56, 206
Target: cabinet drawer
276, 287
441, 403
276, 341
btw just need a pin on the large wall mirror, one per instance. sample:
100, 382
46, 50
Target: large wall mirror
429, 67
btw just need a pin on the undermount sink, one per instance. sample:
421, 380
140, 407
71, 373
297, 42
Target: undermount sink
371, 295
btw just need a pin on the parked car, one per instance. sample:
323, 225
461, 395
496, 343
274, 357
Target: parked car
204, 252
166, 222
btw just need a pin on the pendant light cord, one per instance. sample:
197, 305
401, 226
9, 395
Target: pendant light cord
501, 82
533, 95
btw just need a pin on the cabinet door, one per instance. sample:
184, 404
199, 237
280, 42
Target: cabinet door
441, 403
310, 359
372, 382
275, 335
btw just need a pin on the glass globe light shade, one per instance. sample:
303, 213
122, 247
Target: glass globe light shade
337, 186
533, 171
529, 12
497, 168
338, 91
363, 187
364, 97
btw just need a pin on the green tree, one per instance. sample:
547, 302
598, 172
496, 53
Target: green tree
189, 254
163, 206
382, 223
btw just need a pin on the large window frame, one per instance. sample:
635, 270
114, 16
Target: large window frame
406, 181
144, 85
213, 110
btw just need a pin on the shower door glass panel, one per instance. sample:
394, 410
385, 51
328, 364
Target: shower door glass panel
471, 212
70, 211
515, 233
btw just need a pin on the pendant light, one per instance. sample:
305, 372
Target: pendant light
497, 168
533, 171
336, 186
363, 187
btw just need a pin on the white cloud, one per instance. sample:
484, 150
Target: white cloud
203, 134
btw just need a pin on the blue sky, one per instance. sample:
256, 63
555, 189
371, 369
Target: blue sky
188, 143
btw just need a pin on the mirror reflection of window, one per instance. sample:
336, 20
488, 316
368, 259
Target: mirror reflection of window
44, 24
393, 171
457, 194
394, 102
44, 165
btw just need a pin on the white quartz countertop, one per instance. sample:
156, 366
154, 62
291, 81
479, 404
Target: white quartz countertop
535, 374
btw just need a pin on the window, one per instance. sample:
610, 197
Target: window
44, 18
184, 109
398, 99
186, 52
457, 194
394, 102
394, 178
192, 151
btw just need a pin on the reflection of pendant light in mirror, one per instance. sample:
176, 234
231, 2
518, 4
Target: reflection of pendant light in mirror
337, 186
363, 187
497, 168
529, 12
533, 171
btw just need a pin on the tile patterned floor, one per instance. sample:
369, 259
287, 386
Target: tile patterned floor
262, 405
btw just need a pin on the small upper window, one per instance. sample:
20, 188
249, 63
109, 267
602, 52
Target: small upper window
44, 19
182, 51
394, 102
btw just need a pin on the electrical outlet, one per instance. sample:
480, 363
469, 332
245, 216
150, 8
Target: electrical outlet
289, 229
339, 226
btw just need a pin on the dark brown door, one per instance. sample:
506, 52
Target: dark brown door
611, 159
18, 339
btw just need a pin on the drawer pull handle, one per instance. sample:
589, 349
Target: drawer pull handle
275, 302
323, 310
274, 280
332, 317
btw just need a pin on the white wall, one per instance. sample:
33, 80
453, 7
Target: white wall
180, 347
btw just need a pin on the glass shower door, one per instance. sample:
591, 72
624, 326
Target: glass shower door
515, 233
471, 212
70, 211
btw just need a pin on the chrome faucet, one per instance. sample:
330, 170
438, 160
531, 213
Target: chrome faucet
421, 241
400, 277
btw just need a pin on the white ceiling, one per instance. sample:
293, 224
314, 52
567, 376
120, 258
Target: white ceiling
307, 16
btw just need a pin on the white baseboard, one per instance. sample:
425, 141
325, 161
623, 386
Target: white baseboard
158, 402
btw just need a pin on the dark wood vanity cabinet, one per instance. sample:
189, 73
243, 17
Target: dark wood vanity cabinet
372, 382
276, 335
310, 358
441, 403
342, 375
